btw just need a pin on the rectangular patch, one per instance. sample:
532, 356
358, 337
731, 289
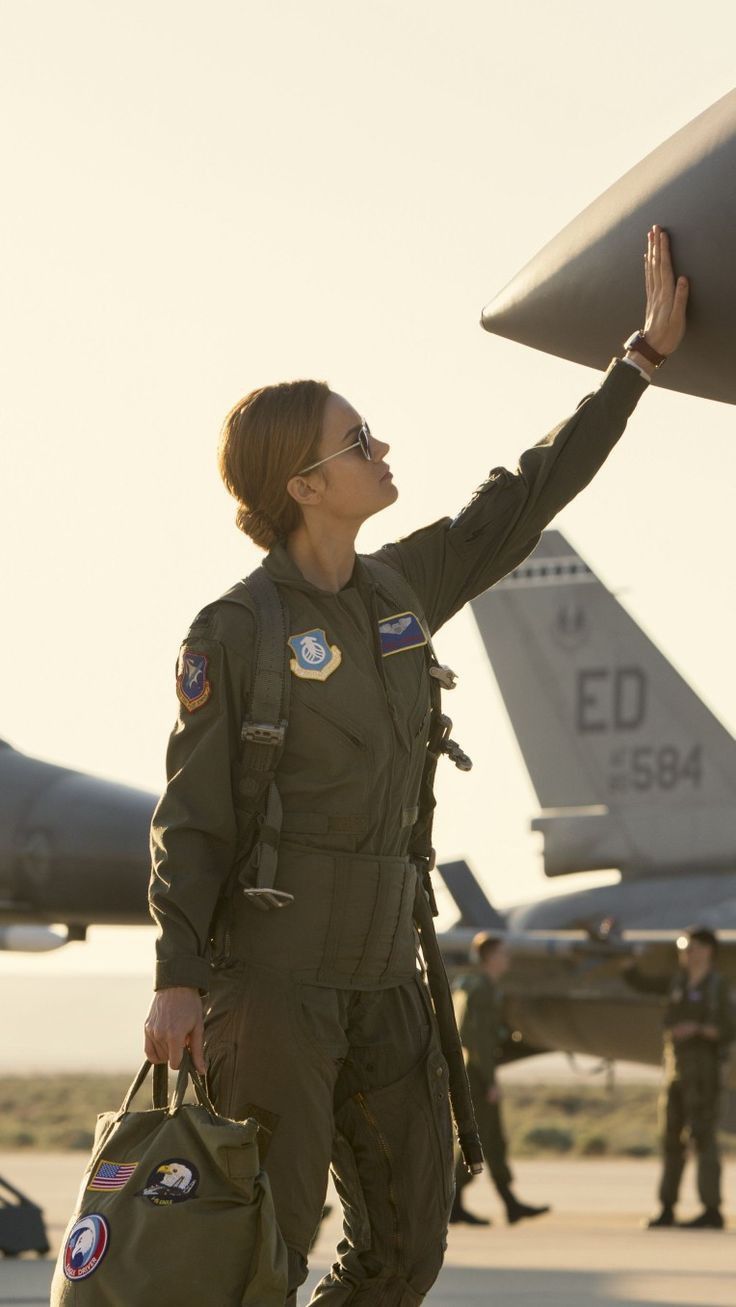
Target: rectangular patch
400, 632
112, 1175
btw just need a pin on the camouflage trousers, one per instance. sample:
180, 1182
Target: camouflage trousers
354, 1080
689, 1113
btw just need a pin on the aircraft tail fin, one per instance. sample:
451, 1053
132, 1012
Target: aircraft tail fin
613, 737
476, 912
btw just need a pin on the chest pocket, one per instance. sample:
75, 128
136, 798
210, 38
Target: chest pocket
407, 682
330, 750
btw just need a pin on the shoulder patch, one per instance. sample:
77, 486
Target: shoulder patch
400, 632
192, 686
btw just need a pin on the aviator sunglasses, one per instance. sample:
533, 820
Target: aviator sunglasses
363, 443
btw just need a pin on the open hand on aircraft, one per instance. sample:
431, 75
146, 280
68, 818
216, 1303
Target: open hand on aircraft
664, 323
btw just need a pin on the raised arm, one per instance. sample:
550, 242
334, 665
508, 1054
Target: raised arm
451, 561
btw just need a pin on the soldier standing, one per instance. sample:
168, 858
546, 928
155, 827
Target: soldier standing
480, 1019
698, 1029
316, 1021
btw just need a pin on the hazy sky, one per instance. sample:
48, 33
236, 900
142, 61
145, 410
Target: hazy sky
201, 199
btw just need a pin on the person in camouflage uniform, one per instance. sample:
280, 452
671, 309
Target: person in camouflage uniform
698, 1029
478, 999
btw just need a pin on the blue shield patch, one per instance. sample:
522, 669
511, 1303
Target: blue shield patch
192, 686
400, 632
314, 657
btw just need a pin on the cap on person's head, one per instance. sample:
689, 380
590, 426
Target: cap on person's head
702, 934
485, 943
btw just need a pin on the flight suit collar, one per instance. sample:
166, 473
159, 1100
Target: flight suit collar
283, 570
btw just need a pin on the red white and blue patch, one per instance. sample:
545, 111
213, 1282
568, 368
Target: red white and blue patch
112, 1175
192, 686
400, 632
86, 1246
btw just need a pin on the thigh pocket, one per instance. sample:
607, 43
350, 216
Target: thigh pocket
400, 1136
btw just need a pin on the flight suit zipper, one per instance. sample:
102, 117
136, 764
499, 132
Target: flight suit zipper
386, 1154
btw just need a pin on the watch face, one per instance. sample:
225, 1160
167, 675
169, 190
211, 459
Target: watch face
633, 338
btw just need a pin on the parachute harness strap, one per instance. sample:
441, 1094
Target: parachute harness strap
263, 736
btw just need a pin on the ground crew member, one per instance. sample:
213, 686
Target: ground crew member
316, 1020
480, 1018
698, 1028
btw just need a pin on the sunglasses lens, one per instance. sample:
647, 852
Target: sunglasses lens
364, 439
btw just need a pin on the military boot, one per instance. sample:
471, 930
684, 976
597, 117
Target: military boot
664, 1221
709, 1219
516, 1211
461, 1216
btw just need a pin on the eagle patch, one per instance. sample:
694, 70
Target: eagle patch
86, 1246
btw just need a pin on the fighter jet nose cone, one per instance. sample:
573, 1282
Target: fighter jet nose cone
582, 295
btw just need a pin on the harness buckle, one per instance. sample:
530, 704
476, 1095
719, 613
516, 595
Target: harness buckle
264, 733
445, 675
266, 898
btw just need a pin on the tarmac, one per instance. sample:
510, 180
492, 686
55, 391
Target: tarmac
590, 1250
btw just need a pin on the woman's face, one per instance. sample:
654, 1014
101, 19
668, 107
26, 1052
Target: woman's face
349, 487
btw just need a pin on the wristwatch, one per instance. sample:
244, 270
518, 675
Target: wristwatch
640, 343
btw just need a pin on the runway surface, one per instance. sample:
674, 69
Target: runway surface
591, 1250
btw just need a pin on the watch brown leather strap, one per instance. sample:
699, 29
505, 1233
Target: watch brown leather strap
640, 343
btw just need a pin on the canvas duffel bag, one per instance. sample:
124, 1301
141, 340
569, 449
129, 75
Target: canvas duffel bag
173, 1209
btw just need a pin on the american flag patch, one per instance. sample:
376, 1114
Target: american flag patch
112, 1175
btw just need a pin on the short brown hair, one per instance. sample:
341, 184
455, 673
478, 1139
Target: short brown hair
266, 438
485, 944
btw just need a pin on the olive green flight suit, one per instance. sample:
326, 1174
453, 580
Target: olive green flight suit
316, 1019
479, 1014
689, 1103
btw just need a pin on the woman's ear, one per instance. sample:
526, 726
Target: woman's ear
304, 494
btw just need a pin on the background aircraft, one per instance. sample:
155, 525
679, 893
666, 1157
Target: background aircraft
73, 851
633, 772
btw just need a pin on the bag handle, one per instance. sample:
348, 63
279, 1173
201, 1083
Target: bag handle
160, 1096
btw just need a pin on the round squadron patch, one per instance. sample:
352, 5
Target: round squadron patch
86, 1246
192, 687
173, 1181
314, 658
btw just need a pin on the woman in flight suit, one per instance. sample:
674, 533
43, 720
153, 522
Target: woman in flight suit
316, 1020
